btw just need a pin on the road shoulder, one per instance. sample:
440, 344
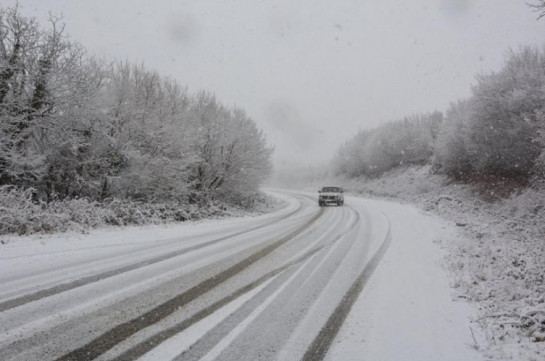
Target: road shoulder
407, 309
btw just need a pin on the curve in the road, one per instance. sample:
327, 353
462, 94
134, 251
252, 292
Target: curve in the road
24, 299
260, 329
284, 290
106, 341
148, 344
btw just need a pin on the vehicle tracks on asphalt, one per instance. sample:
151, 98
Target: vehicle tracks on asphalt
273, 281
119, 333
151, 342
261, 327
34, 296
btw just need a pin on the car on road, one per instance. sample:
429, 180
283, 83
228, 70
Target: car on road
330, 195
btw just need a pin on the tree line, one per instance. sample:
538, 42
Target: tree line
72, 126
372, 152
499, 131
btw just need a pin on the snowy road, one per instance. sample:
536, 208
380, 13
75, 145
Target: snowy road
278, 286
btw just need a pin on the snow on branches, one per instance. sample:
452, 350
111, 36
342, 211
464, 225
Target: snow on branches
72, 126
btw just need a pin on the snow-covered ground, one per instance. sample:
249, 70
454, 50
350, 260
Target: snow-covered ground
407, 312
498, 262
273, 308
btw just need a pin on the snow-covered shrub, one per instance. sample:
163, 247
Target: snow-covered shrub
124, 212
16, 208
21, 214
85, 213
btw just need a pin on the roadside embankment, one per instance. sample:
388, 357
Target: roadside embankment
498, 264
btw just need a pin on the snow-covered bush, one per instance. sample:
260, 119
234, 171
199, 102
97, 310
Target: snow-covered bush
16, 207
21, 213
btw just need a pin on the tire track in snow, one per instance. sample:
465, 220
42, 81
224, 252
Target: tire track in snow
106, 341
151, 342
228, 339
247, 337
24, 299
319, 347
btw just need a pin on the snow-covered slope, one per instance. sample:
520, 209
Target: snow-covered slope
498, 264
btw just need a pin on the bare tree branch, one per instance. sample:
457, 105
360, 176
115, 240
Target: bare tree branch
539, 7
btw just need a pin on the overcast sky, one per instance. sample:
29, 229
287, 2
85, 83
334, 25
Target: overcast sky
310, 72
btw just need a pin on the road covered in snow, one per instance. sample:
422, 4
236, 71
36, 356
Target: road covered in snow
362, 281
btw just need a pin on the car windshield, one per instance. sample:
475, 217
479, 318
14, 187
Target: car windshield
331, 189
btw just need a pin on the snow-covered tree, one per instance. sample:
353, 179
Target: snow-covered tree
539, 7
44, 81
451, 149
230, 154
498, 131
506, 108
373, 152
71, 126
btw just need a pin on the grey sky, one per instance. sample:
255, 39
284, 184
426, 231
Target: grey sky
310, 72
